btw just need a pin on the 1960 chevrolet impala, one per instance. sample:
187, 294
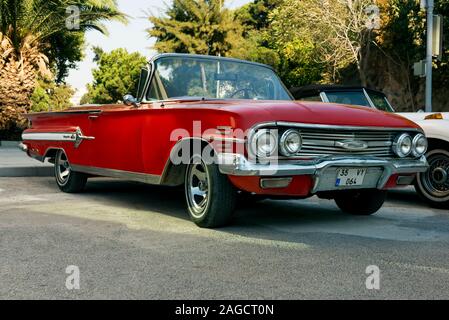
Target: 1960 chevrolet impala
226, 127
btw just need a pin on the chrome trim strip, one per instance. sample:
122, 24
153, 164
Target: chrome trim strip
206, 57
50, 136
71, 110
77, 137
368, 98
119, 174
324, 97
337, 127
225, 139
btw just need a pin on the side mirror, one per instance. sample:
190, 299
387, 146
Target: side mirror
129, 100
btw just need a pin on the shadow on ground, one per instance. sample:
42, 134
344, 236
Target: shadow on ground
250, 218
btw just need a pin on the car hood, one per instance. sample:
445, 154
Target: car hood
309, 112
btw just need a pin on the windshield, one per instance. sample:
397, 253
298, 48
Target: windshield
214, 78
348, 97
359, 98
380, 101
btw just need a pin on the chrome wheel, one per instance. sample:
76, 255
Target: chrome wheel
62, 167
210, 196
434, 183
197, 188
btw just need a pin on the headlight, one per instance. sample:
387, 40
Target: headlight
290, 142
403, 145
264, 143
420, 145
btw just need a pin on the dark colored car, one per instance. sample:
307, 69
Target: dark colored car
353, 95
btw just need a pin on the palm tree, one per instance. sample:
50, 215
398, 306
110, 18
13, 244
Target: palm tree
25, 29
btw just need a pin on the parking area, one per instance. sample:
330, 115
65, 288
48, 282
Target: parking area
135, 241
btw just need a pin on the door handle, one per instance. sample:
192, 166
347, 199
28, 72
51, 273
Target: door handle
94, 114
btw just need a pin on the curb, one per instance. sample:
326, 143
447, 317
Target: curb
9, 144
15, 172
10, 169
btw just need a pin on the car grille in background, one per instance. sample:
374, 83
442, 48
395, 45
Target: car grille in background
326, 142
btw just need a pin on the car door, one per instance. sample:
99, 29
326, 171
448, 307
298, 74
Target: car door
117, 144
118, 134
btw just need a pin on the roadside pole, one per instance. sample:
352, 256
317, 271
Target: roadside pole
429, 54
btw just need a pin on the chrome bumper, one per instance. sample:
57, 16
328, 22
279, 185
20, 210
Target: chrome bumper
238, 165
23, 147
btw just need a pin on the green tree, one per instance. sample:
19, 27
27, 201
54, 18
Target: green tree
337, 30
196, 26
49, 96
31, 32
257, 44
401, 41
256, 14
117, 74
271, 38
65, 49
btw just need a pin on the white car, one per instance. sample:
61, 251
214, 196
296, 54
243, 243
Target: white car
433, 185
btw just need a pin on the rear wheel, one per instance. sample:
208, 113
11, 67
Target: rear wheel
361, 202
68, 180
210, 196
433, 185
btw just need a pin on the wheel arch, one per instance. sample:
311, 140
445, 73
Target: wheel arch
173, 174
51, 153
436, 143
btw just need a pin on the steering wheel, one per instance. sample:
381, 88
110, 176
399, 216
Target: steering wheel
246, 90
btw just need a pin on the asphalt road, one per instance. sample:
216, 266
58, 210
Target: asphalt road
135, 241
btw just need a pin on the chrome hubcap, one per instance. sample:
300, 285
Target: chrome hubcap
62, 168
439, 175
197, 189
435, 180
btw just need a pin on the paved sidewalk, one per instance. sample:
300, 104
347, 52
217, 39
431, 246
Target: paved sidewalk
15, 163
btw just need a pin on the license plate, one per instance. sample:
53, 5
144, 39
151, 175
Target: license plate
350, 177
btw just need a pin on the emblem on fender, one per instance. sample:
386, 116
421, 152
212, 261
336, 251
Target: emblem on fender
352, 145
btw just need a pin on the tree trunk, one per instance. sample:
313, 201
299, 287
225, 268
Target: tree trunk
17, 84
18, 69
16, 87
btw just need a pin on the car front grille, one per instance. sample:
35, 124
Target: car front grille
330, 142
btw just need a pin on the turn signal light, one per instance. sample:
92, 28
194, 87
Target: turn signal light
435, 116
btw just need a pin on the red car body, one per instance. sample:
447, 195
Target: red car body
135, 143
138, 140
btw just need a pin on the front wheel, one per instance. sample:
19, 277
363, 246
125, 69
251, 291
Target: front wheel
68, 180
361, 202
210, 196
433, 185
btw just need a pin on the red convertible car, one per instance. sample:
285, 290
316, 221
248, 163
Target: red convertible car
223, 128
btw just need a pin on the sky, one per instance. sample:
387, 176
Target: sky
132, 36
